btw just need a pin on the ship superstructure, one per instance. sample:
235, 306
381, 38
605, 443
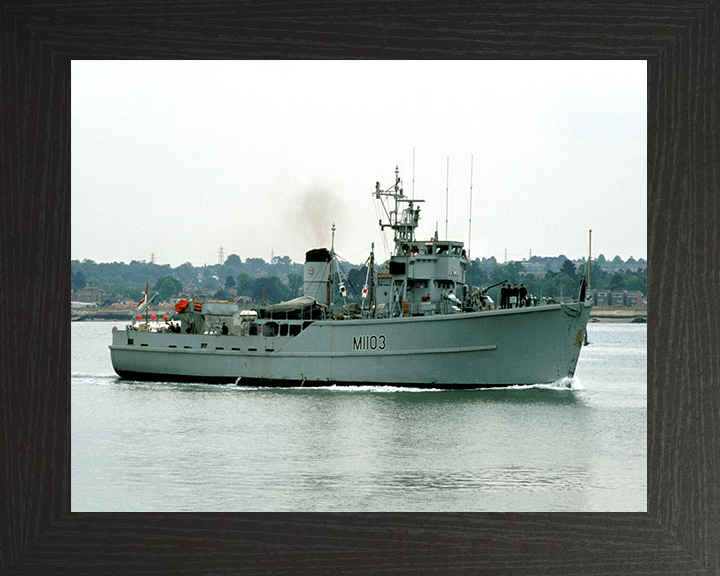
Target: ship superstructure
422, 277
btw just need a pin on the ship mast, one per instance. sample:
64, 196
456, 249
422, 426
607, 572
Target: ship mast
589, 256
403, 221
330, 277
372, 280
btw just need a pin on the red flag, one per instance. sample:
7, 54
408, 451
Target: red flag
145, 297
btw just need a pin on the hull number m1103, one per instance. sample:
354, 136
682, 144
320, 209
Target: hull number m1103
368, 342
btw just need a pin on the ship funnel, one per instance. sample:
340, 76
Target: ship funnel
316, 275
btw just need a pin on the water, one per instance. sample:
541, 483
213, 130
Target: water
579, 445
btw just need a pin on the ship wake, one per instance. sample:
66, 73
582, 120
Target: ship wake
567, 383
564, 384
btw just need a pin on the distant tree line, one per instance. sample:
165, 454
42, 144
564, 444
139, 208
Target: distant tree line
281, 278
564, 281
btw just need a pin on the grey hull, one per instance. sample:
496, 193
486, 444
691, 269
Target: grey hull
488, 348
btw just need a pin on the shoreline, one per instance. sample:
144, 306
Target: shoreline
597, 314
637, 314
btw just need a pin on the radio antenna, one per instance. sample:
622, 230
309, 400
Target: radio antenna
447, 193
470, 219
413, 183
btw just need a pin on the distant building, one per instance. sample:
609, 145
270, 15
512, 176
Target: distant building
244, 300
92, 294
635, 298
602, 297
617, 298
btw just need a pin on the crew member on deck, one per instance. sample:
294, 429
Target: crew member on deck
224, 329
523, 295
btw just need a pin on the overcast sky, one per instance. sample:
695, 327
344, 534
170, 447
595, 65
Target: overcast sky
179, 159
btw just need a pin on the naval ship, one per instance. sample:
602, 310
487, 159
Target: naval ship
417, 325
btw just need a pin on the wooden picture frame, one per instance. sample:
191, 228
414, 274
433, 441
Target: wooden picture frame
680, 532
